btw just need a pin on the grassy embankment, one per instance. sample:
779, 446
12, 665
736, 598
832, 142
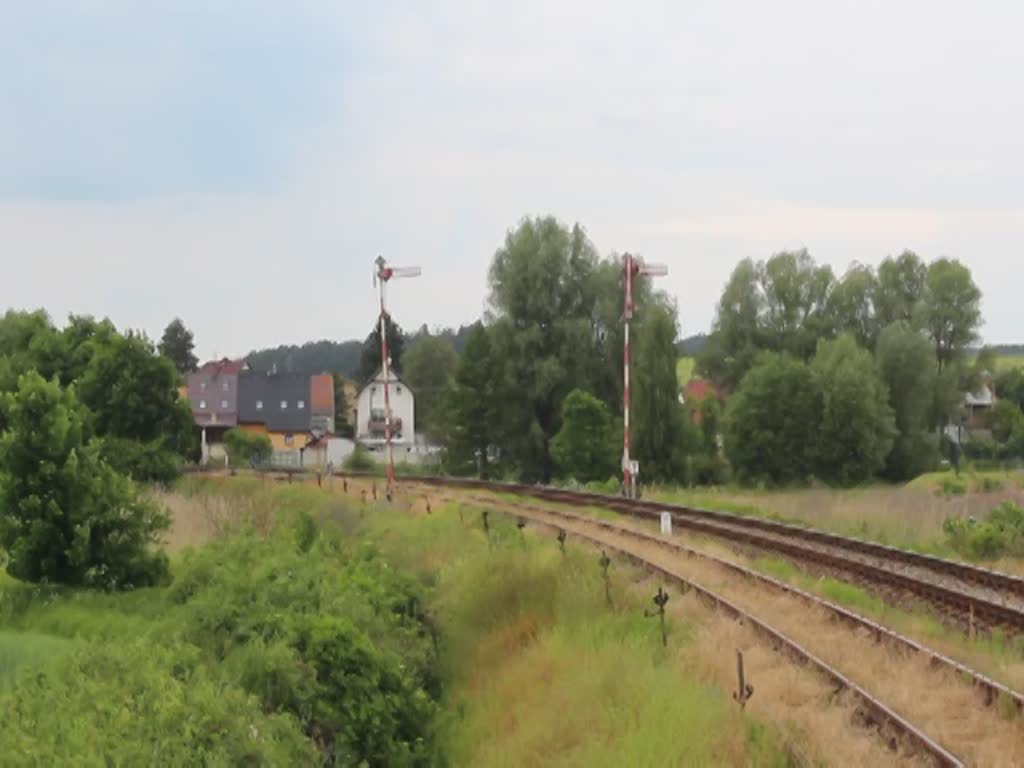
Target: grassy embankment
536, 669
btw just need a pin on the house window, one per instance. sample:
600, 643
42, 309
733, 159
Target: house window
223, 405
202, 403
202, 386
225, 384
289, 439
284, 405
259, 405
301, 404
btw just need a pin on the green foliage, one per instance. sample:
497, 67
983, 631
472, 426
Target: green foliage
663, 433
320, 630
359, 460
1000, 533
470, 408
245, 448
906, 363
139, 704
1006, 420
951, 312
1009, 385
429, 366
177, 345
370, 360
856, 430
585, 446
772, 420
68, 516
900, 288
341, 408
852, 307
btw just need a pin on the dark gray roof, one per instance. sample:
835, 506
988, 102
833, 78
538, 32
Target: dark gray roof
271, 389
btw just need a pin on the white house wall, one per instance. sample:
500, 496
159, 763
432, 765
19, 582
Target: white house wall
402, 407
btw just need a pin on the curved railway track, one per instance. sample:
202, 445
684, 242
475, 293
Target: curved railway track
897, 730
971, 597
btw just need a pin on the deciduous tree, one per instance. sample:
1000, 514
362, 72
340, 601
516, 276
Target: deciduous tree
428, 367
585, 446
471, 413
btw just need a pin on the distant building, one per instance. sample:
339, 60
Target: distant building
294, 410
212, 392
370, 412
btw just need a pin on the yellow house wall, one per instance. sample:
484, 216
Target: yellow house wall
277, 439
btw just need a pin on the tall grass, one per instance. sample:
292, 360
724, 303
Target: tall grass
540, 671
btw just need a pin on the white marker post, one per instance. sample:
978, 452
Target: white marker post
666, 523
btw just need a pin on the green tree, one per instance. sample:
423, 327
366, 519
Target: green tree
852, 305
177, 345
428, 367
132, 394
899, 289
857, 428
662, 435
585, 446
471, 408
1009, 385
736, 333
906, 363
1006, 420
772, 420
370, 362
245, 447
83, 335
796, 301
68, 516
950, 311
543, 298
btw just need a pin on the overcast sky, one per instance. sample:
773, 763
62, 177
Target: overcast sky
242, 164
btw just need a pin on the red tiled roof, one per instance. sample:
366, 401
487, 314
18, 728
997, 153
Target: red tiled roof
223, 366
697, 389
322, 393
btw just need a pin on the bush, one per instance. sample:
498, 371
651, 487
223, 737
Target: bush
247, 447
359, 460
952, 486
68, 516
144, 462
141, 704
1001, 533
584, 447
327, 634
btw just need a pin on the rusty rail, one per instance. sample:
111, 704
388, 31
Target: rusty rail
876, 712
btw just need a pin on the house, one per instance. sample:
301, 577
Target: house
695, 391
978, 405
294, 410
212, 392
370, 412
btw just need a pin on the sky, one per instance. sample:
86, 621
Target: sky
241, 165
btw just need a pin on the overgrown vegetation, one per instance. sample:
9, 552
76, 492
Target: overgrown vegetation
1000, 533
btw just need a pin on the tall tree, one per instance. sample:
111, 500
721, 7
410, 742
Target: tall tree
951, 310
796, 300
857, 429
662, 436
772, 420
853, 305
585, 447
67, 516
542, 299
177, 345
428, 366
906, 363
899, 289
471, 414
370, 362
341, 407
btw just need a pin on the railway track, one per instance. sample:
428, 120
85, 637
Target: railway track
897, 731
973, 598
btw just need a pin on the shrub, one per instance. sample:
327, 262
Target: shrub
359, 460
141, 704
247, 447
952, 486
584, 447
68, 516
1002, 532
144, 462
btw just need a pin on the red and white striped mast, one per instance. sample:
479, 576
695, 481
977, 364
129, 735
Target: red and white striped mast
383, 275
632, 267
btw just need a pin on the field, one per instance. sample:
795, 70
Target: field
522, 663
1005, 362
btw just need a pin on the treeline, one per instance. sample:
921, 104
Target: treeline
346, 357
842, 378
84, 411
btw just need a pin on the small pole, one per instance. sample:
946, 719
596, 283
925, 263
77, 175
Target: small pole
605, 561
660, 601
561, 540
745, 690
521, 524
487, 526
